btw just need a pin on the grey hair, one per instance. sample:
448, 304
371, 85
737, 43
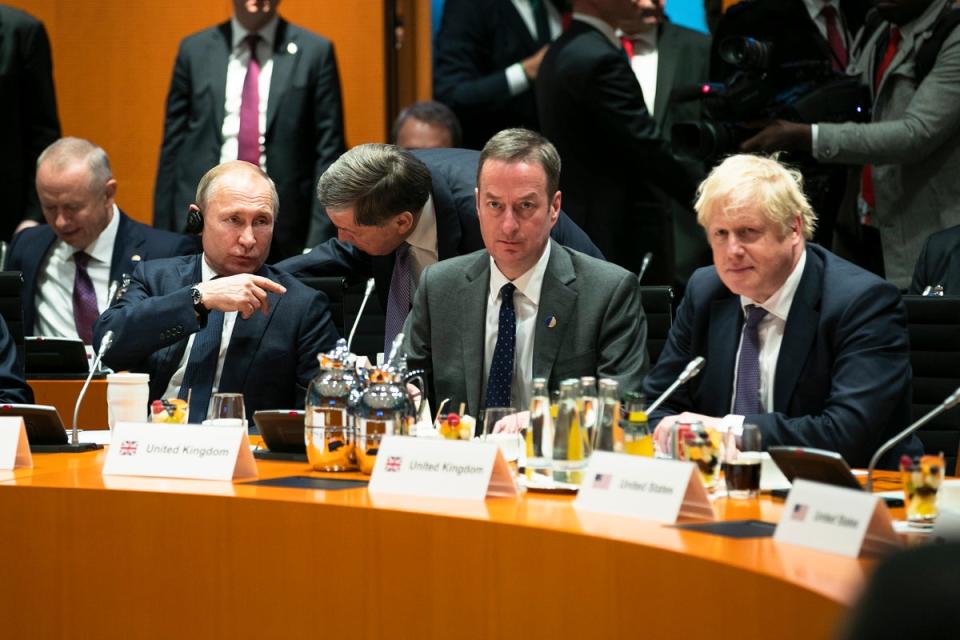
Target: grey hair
378, 181
67, 151
208, 182
523, 145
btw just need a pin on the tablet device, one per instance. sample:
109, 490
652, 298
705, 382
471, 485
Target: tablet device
818, 465
282, 432
44, 356
44, 427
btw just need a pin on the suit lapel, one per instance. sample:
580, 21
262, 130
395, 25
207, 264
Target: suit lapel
518, 26
726, 318
558, 299
283, 63
218, 57
244, 343
188, 272
474, 296
799, 332
127, 249
31, 273
667, 58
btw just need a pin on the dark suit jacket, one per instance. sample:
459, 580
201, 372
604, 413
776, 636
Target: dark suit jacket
304, 129
135, 242
617, 171
600, 327
477, 41
271, 359
13, 388
843, 374
939, 263
28, 114
454, 176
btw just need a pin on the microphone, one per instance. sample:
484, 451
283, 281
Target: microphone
689, 372
952, 400
105, 345
647, 257
371, 285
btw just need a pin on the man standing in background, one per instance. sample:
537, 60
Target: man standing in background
259, 89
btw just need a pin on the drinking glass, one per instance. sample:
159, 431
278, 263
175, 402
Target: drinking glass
741, 463
227, 406
922, 477
506, 426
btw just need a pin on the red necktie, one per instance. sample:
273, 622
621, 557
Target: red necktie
248, 140
835, 39
866, 178
627, 46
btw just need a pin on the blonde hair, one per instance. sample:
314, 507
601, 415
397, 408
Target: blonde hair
750, 180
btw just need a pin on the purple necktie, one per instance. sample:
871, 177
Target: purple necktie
84, 299
398, 299
248, 140
747, 401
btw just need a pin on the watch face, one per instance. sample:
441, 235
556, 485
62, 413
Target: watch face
197, 296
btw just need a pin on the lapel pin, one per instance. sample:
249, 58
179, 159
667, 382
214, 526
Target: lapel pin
135, 257
551, 322
291, 48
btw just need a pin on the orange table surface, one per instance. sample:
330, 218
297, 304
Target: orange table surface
62, 394
86, 555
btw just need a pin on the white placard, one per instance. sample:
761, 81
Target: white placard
180, 451
647, 488
836, 520
14, 447
469, 470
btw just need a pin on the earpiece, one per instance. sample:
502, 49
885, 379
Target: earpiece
194, 220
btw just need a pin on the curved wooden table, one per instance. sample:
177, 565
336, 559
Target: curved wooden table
89, 556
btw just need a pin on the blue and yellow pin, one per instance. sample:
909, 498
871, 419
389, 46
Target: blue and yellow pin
550, 321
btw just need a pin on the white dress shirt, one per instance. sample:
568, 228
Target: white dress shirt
229, 319
517, 79
54, 298
423, 242
526, 302
237, 65
644, 62
770, 332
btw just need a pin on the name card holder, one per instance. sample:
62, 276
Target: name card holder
436, 468
846, 522
14, 446
667, 491
188, 451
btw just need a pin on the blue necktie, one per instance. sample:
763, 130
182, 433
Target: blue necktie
747, 401
202, 367
500, 379
398, 299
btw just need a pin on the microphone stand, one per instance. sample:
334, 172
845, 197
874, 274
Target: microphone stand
689, 372
952, 400
363, 304
75, 435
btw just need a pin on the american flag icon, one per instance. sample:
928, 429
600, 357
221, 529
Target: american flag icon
602, 480
393, 463
799, 512
128, 447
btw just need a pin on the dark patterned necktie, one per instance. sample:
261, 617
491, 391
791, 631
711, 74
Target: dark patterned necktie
202, 367
839, 58
747, 401
84, 299
248, 140
500, 379
398, 299
541, 20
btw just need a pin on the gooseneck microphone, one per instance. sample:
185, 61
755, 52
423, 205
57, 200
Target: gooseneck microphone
689, 372
371, 285
105, 345
647, 257
952, 400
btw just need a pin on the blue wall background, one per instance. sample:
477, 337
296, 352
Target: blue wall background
688, 13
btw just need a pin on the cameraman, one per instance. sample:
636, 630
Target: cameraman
909, 186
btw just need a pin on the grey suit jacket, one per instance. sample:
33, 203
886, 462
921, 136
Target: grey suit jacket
913, 143
600, 327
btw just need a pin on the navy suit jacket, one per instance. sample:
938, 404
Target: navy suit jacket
271, 359
939, 263
135, 242
304, 130
13, 388
454, 176
843, 374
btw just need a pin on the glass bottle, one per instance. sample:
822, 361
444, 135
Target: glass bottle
571, 449
637, 437
608, 435
587, 403
540, 432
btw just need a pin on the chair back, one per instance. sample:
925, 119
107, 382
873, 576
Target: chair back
11, 309
345, 300
334, 288
657, 302
934, 326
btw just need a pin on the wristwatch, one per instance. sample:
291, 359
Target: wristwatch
198, 307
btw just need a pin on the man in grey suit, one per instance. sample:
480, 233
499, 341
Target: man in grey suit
483, 325
912, 146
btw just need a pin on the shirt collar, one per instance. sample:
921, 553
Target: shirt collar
529, 284
206, 271
922, 23
779, 303
424, 235
600, 26
647, 39
268, 32
101, 249
814, 7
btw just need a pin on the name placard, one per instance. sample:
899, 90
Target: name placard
836, 520
440, 468
14, 447
180, 451
665, 491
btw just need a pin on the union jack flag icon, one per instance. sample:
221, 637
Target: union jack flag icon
393, 463
128, 447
